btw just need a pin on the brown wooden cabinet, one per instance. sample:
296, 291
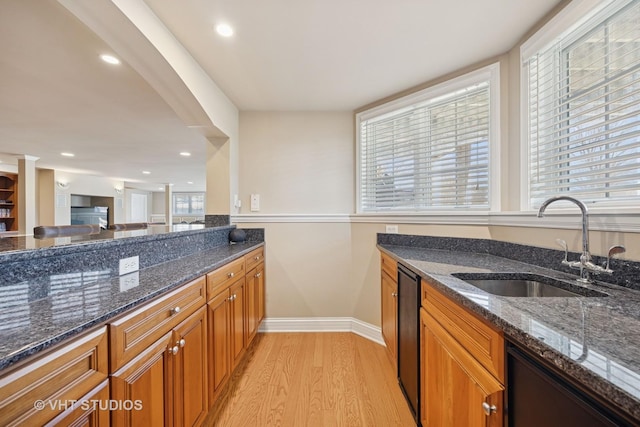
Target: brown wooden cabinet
167, 381
226, 322
146, 380
138, 329
168, 358
255, 298
190, 403
462, 359
389, 303
56, 379
167, 378
219, 342
238, 318
8, 202
234, 315
91, 410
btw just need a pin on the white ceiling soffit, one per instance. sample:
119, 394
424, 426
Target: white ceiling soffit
57, 95
341, 54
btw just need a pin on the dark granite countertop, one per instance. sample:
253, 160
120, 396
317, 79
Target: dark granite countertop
38, 313
29, 245
594, 340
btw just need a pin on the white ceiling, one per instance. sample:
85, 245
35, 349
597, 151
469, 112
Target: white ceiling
287, 55
341, 54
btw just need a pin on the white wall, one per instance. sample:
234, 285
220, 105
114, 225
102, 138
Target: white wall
320, 261
298, 162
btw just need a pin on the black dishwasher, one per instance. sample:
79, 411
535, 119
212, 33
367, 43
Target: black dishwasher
538, 396
409, 337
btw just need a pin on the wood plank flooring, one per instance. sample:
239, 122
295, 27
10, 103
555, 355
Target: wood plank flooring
313, 379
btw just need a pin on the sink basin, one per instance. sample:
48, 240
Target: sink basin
525, 285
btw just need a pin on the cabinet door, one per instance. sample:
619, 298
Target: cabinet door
389, 314
260, 275
255, 301
455, 387
237, 303
92, 410
58, 376
219, 341
147, 381
190, 370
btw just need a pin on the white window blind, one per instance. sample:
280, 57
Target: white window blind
432, 154
584, 110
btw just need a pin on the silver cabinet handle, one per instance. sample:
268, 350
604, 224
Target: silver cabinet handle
257, 258
174, 350
182, 342
175, 310
394, 294
258, 274
489, 409
230, 275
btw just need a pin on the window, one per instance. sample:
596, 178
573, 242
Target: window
583, 109
188, 203
431, 150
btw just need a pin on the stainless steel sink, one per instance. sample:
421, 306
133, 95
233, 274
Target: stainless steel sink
526, 285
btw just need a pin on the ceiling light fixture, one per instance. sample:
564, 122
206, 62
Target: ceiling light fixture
224, 30
63, 185
185, 154
189, 182
146, 172
110, 59
67, 154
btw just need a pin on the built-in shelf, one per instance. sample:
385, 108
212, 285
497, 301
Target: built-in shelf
8, 206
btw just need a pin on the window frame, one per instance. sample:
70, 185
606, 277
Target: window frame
190, 194
490, 73
567, 21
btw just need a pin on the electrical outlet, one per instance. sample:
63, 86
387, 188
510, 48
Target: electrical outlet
129, 265
391, 229
129, 281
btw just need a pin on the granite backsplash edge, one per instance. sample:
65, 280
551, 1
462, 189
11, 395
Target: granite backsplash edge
626, 272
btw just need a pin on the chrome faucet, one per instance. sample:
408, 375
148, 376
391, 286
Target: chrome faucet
585, 265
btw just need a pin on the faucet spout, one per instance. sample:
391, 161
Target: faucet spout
585, 258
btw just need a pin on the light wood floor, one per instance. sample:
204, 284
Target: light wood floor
313, 379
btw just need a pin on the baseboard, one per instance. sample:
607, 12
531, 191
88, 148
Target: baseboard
323, 324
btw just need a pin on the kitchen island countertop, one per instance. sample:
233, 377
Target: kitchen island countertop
41, 312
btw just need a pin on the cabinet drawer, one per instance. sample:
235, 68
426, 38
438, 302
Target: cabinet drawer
483, 342
134, 332
254, 258
65, 374
224, 276
389, 266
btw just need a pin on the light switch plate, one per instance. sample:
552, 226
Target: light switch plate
255, 202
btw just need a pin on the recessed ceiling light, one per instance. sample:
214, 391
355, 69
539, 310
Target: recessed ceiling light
224, 30
189, 182
185, 154
110, 59
146, 172
160, 188
67, 154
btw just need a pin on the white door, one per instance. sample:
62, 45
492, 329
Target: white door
138, 207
